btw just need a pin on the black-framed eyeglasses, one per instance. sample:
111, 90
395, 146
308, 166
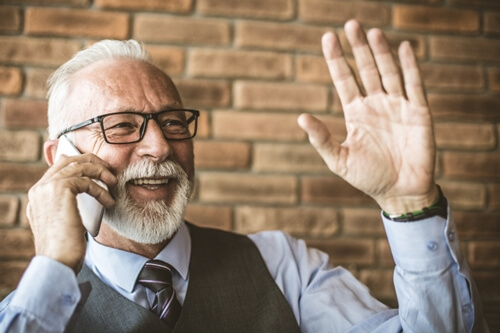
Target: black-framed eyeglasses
129, 127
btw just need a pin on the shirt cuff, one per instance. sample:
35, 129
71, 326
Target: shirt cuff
49, 292
420, 246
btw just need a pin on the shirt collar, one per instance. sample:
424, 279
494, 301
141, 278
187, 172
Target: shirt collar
122, 268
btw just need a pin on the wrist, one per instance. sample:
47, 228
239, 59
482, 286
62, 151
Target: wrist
400, 205
438, 208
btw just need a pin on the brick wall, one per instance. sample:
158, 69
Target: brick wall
251, 67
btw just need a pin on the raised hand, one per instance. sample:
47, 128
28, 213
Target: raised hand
389, 151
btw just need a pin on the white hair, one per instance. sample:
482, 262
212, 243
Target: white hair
59, 83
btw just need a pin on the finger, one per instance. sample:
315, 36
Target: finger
97, 191
81, 158
340, 71
321, 139
87, 165
76, 185
388, 69
367, 67
412, 79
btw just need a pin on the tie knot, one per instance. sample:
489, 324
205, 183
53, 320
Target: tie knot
156, 275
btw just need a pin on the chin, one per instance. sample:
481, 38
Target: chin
149, 222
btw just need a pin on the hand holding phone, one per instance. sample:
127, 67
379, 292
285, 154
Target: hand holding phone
91, 211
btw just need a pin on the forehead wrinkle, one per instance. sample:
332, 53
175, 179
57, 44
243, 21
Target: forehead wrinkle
126, 85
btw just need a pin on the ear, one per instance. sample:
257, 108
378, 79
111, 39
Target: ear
49, 151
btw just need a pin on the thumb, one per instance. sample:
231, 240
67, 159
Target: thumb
321, 139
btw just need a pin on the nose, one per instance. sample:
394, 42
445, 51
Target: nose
154, 145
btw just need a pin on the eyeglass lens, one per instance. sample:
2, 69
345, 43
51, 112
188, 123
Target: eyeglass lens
128, 127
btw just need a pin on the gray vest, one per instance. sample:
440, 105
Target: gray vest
230, 290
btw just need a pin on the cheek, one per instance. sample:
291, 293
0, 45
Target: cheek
119, 160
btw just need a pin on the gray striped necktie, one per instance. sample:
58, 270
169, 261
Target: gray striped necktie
157, 276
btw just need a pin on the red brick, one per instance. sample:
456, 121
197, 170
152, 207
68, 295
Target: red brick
494, 196
492, 23
453, 77
487, 284
23, 218
337, 12
174, 6
464, 107
36, 82
219, 217
475, 3
280, 96
9, 205
36, 51
256, 126
239, 64
24, 113
278, 36
433, 19
204, 93
384, 253
465, 136
159, 28
10, 20
346, 252
11, 274
494, 79
379, 282
169, 59
270, 9
465, 195
287, 158
300, 222
221, 155
66, 3
491, 309
332, 190
16, 244
476, 166
204, 130
362, 222
19, 177
11, 80
477, 225
19, 146
464, 49
76, 23
312, 69
237, 188
484, 254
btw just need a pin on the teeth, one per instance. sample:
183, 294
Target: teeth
150, 181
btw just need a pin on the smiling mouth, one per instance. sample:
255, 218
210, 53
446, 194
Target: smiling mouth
149, 183
142, 181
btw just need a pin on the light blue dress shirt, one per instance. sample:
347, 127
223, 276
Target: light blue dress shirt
432, 280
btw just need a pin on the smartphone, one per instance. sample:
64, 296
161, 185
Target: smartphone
91, 211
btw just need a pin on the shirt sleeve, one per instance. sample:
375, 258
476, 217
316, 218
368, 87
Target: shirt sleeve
44, 300
432, 280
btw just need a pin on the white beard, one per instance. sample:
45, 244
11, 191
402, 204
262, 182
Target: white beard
151, 222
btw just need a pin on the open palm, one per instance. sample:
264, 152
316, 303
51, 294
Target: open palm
389, 151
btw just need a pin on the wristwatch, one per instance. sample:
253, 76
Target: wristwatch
439, 208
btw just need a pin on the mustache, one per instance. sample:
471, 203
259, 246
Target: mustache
145, 168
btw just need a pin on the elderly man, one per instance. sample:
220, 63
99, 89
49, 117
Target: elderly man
149, 270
